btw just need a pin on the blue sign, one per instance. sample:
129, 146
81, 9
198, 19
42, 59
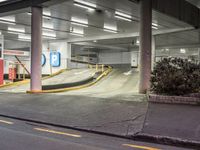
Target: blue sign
43, 59
55, 59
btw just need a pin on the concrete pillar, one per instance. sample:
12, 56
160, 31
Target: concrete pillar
153, 52
36, 49
145, 44
69, 55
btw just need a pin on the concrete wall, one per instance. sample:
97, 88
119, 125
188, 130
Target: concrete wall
61, 47
114, 57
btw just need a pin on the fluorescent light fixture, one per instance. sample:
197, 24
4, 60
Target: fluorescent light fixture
79, 22
137, 42
123, 16
108, 28
182, 50
153, 27
8, 20
49, 34
16, 29
85, 5
167, 49
154, 24
47, 37
77, 32
3, 1
48, 25
24, 37
46, 14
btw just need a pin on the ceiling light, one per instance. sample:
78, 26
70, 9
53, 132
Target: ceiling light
8, 20
123, 16
46, 14
79, 22
49, 34
137, 42
153, 27
155, 24
47, 37
182, 50
24, 37
108, 28
86, 5
16, 29
48, 25
2, 1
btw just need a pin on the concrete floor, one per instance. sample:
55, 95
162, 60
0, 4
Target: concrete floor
120, 83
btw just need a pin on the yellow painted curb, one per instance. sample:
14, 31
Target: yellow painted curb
105, 73
28, 80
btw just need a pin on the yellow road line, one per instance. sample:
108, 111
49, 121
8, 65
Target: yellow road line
140, 147
57, 132
6, 122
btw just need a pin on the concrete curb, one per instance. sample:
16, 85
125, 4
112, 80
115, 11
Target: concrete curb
167, 140
137, 137
65, 126
105, 73
28, 80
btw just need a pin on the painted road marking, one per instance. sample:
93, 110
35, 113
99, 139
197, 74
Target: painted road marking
57, 132
6, 122
140, 147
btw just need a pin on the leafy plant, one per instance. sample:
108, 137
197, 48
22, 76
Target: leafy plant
175, 76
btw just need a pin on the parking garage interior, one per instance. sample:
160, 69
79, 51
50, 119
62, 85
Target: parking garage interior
89, 34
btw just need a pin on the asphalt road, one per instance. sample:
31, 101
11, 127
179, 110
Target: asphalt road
20, 135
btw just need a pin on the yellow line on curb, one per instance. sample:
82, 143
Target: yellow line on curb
28, 80
105, 73
6, 122
57, 132
140, 147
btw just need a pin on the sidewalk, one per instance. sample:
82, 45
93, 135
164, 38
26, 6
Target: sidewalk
110, 115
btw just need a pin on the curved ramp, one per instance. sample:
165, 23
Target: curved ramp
69, 76
120, 82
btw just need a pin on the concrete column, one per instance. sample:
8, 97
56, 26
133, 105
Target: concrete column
36, 49
69, 54
145, 44
153, 52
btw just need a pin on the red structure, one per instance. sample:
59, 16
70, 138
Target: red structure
1, 71
12, 73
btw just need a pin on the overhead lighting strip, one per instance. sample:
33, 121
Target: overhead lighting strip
123, 16
85, 5
79, 22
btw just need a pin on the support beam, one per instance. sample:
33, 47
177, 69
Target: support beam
145, 44
36, 49
153, 52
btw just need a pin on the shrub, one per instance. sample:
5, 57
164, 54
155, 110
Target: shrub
175, 76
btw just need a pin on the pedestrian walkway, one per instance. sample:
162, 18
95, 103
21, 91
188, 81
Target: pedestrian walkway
111, 116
